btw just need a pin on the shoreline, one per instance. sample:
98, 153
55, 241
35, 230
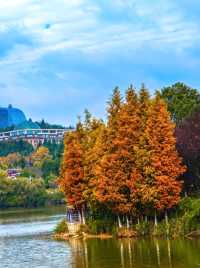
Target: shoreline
67, 236
102, 236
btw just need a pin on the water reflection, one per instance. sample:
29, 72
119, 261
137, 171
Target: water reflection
25, 242
29, 222
135, 253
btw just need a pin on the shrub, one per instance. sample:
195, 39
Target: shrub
160, 230
61, 227
143, 228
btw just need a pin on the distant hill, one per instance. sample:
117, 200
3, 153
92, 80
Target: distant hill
11, 116
28, 125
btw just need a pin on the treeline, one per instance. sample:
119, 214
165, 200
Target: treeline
43, 162
23, 192
45, 125
127, 167
35, 185
22, 147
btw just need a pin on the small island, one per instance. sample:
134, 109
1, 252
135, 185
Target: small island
130, 176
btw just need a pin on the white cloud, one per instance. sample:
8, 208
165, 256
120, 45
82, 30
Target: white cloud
76, 25
140, 32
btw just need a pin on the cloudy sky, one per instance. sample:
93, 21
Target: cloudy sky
58, 57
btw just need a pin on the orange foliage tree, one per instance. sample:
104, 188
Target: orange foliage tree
141, 153
161, 187
93, 154
129, 165
71, 179
109, 173
114, 173
126, 139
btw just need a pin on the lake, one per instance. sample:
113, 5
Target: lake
25, 241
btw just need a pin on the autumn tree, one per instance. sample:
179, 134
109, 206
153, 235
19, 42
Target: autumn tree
127, 138
141, 153
109, 172
40, 156
71, 178
117, 164
94, 149
12, 160
161, 188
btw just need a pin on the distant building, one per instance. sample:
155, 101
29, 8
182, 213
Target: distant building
35, 136
27, 130
13, 173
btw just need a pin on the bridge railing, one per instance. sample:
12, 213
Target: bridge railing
29, 133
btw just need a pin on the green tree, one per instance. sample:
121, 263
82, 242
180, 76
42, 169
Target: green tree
181, 100
22, 192
22, 147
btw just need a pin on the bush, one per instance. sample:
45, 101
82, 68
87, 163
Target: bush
61, 227
143, 228
160, 230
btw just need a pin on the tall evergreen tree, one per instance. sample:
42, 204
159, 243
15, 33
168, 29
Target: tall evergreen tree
94, 150
161, 187
109, 188
71, 179
141, 152
127, 138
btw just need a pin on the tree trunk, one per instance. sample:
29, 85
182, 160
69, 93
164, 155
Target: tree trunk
166, 217
127, 222
155, 219
138, 220
83, 216
80, 216
146, 219
131, 219
167, 222
119, 222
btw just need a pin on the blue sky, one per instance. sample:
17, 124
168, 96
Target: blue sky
58, 57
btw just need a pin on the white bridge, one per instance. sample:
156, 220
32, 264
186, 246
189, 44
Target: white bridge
35, 136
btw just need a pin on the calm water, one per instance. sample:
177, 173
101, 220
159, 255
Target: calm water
25, 241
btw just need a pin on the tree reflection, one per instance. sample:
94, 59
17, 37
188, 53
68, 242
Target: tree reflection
131, 253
